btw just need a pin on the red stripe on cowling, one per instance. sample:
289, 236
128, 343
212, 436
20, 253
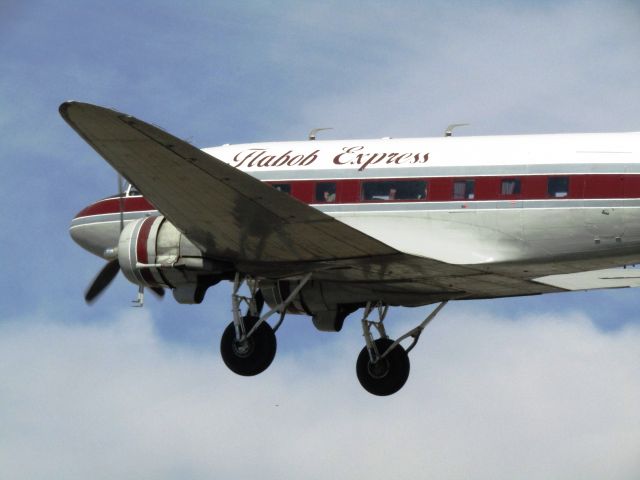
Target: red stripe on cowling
141, 241
142, 251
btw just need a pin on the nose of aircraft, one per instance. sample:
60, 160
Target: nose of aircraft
94, 231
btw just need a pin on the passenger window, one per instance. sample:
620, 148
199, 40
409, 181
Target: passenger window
558, 187
325, 192
282, 187
510, 186
464, 190
392, 190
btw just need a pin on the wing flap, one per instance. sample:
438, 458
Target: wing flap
226, 212
594, 279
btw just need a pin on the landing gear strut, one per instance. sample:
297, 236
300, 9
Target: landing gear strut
383, 364
248, 344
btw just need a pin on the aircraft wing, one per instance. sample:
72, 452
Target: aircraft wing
229, 214
594, 279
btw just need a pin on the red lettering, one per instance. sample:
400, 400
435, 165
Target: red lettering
373, 159
338, 158
402, 157
248, 155
309, 159
282, 160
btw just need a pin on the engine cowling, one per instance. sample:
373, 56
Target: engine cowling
328, 304
152, 252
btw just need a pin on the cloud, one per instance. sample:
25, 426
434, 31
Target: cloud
488, 398
519, 69
549, 397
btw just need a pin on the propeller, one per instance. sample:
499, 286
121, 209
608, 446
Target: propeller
111, 269
102, 280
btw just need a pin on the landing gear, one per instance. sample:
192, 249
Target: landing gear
383, 364
253, 354
384, 376
248, 344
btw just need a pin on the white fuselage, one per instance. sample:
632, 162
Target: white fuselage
594, 210
599, 211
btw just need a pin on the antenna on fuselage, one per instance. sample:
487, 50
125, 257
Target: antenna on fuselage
312, 133
449, 131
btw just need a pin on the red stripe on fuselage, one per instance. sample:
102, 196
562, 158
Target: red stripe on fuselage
440, 189
112, 205
486, 188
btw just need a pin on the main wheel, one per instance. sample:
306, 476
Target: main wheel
387, 375
253, 355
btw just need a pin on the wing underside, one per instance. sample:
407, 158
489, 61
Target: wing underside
226, 212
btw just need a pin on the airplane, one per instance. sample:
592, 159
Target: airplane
326, 228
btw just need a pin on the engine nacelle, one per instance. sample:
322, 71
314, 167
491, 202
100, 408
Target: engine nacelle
327, 303
152, 252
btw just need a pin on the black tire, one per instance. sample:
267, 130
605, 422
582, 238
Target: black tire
255, 355
386, 376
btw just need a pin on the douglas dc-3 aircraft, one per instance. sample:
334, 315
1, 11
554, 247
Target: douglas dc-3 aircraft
325, 228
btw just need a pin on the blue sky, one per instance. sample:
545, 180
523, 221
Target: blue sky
545, 386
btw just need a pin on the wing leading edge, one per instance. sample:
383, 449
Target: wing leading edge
229, 214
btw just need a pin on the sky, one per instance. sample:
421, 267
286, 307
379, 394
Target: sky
529, 388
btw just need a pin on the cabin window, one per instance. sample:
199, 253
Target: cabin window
464, 190
282, 187
558, 187
510, 186
394, 190
325, 192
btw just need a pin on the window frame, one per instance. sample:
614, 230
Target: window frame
287, 187
517, 190
423, 197
555, 179
468, 194
331, 185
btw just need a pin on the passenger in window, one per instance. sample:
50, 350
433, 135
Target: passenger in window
282, 187
325, 192
329, 197
392, 193
558, 187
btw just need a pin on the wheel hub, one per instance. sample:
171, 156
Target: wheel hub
379, 369
242, 348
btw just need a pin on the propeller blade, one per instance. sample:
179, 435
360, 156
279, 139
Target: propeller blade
102, 280
159, 291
